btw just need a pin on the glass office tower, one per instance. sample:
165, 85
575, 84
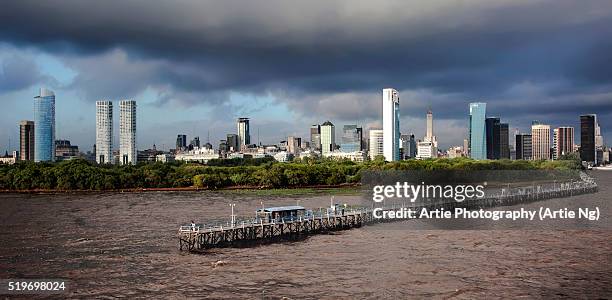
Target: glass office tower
44, 129
478, 142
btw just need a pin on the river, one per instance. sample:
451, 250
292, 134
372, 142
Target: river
124, 245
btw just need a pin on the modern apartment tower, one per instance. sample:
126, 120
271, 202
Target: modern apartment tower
504, 141
104, 132
232, 142
523, 146
563, 141
328, 137
127, 132
477, 136
244, 133
492, 127
588, 153
391, 127
540, 138
44, 131
376, 143
26, 140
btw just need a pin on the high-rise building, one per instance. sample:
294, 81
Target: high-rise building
294, 144
504, 143
352, 138
428, 148
588, 125
181, 142
328, 137
466, 147
127, 132
26, 140
430, 134
44, 131
315, 137
478, 141
524, 146
540, 139
391, 126
232, 142
195, 143
493, 137
563, 141
376, 143
244, 134
104, 132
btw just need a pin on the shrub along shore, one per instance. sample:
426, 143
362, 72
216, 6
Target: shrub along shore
250, 173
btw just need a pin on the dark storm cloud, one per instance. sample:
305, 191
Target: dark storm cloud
18, 72
312, 53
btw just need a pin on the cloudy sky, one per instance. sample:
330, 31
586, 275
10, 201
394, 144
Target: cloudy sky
195, 66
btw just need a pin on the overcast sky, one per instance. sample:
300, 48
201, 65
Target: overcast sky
195, 66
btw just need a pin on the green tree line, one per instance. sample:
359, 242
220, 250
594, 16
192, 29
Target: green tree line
262, 173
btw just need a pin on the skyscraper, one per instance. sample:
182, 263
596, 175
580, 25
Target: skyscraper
376, 143
127, 132
428, 148
351, 138
26, 140
523, 146
504, 143
293, 144
244, 135
493, 137
328, 137
540, 139
181, 142
588, 123
232, 142
478, 142
563, 141
430, 134
44, 131
315, 137
104, 132
391, 133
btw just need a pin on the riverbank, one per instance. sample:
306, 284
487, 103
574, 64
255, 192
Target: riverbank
339, 189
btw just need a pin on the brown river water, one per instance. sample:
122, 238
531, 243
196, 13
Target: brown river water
112, 245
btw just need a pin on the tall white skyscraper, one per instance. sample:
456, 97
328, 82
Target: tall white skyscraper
127, 132
391, 133
429, 135
104, 132
376, 143
328, 137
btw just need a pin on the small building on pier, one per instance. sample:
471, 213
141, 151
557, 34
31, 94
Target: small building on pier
284, 213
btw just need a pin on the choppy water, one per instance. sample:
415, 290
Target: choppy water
124, 245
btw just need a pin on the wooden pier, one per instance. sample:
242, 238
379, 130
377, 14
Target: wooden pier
293, 225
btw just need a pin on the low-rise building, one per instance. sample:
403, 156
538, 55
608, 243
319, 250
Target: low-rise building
202, 155
357, 156
9, 159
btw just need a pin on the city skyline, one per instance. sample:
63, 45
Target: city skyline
551, 70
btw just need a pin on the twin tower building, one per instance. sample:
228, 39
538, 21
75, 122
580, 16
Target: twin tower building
127, 132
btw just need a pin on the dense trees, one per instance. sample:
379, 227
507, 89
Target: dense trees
82, 175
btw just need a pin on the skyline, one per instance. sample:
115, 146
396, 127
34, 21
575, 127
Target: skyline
291, 73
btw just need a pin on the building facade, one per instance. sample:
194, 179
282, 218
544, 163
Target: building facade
587, 138
376, 143
26, 140
127, 132
104, 132
315, 137
540, 139
352, 138
563, 141
523, 146
65, 151
44, 131
391, 126
504, 141
477, 132
328, 137
244, 133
